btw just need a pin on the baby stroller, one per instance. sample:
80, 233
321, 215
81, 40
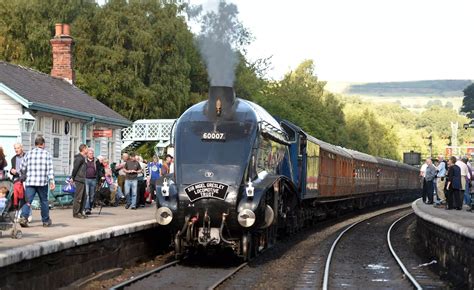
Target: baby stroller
10, 215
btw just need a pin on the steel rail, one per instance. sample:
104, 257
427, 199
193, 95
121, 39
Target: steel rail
394, 254
230, 274
143, 276
328, 261
329, 258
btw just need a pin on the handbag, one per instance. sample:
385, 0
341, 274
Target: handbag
3, 176
69, 186
104, 191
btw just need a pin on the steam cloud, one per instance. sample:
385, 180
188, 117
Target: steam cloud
220, 33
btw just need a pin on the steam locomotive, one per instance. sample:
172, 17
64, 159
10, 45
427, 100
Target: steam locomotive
242, 176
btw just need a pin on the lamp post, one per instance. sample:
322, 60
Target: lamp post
27, 122
430, 137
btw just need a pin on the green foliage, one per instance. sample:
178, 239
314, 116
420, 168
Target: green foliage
249, 82
407, 130
434, 103
373, 130
26, 26
300, 98
367, 134
468, 101
138, 57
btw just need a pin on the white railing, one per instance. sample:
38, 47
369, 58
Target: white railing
157, 130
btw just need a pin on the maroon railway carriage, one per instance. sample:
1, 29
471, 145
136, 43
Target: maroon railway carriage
339, 173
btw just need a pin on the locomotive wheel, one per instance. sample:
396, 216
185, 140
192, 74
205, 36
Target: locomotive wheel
178, 248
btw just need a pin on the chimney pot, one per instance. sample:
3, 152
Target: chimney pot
66, 29
62, 47
59, 29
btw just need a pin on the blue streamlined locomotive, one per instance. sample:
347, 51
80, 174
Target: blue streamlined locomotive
241, 177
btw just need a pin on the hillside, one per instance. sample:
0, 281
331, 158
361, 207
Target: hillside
415, 96
426, 88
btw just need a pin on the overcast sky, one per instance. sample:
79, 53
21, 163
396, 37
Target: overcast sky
363, 40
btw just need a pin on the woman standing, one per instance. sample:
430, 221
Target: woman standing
453, 185
3, 164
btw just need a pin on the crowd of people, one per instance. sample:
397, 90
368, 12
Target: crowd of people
447, 183
96, 182
132, 181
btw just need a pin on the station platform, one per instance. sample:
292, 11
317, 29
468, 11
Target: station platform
457, 221
67, 232
448, 237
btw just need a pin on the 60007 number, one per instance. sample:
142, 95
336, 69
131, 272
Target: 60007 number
213, 136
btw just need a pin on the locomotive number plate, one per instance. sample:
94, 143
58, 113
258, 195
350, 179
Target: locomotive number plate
213, 136
206, 190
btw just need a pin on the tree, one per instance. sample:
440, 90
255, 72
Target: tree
137, 57
367, 134
26, 26
300, 98
468, 101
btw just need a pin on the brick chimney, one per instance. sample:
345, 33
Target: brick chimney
62, 44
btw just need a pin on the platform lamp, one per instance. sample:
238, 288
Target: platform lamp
27, 122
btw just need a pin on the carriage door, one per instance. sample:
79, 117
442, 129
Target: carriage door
302, 164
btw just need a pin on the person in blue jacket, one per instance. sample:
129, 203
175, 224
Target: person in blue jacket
153, 174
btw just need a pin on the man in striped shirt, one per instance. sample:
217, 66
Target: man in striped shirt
37, 168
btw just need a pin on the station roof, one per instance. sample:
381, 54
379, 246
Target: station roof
42, 92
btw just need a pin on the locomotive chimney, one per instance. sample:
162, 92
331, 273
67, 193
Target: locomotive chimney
221, 100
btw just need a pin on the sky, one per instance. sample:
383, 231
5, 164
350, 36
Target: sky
363, 40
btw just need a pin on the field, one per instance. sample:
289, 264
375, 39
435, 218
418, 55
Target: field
415, 95
417, 103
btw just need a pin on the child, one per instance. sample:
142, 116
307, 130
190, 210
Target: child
3, 198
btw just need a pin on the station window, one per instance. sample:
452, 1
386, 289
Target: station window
56, 128
39, 124
56, 147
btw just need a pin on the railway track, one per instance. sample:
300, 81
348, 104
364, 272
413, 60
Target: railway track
345, 267
180, 275
364, 256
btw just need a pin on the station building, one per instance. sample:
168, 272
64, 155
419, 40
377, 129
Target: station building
33, 103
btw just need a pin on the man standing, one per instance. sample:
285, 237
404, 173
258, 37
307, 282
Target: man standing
440, 181
121, 172
37, 168
464, 176
430, 175
132, 168
422, 175
91, 179
78, 176
18, 189
166, 169
467, 189
153, 174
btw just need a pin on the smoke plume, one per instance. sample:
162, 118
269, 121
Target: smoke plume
221, 35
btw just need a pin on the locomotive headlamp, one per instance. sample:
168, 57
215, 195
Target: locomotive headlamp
249, 189
165, 189
246, 218
163, 216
